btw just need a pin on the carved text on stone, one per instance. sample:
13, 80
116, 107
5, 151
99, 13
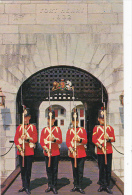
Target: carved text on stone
62, 14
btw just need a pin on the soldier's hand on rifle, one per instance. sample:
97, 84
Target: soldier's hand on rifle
22, 154
51, 138
103, 150
76, 138
23, 137
49, 154
106, 136
74, 155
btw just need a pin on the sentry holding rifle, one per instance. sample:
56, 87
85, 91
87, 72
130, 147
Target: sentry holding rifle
25, 139
76, 138
102, 137
50, 139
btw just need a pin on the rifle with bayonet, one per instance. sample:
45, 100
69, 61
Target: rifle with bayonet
23, 141
23, 131
75, 142
50, 116
105, 142
49, 162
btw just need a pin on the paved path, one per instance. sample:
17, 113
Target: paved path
65, 180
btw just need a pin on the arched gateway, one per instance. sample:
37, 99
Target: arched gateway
87, 89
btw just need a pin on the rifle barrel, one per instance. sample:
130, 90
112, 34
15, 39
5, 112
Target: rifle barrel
49, 163
75, 147
23, 142
105, 134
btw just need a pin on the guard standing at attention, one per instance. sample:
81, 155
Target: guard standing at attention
98, 138
76, 138
50, 139
26, 133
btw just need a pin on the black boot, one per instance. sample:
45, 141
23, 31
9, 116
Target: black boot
108, 190
100, 189
22, 189
55, 191
81, 191
74, 189
48, 189
28, 191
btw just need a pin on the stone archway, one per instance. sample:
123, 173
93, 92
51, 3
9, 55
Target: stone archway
87, 89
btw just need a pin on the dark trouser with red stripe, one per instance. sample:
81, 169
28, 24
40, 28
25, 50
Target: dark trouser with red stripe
78, 172
52, 171
104, 170
26, 170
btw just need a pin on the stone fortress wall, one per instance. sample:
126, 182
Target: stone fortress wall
34, 35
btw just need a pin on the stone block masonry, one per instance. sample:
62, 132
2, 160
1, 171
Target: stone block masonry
38, 34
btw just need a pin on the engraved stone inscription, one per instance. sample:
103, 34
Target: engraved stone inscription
61, 14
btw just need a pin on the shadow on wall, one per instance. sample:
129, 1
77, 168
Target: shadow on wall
6, 118
121, 111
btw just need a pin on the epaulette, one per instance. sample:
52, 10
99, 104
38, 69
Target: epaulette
33, 124
29, 124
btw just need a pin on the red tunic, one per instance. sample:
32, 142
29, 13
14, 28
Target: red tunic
81, 133
98, 138
31, 133
44, 140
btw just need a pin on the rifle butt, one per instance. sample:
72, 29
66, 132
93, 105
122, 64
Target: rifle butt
75, 162
105, 159
49, 162
23, 161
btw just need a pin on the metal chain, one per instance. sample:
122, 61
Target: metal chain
113, 147
89, 142
117, 150
8, 151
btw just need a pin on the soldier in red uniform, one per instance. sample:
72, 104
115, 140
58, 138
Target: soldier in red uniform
81, 140
56, 139
30, 137
98, 139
